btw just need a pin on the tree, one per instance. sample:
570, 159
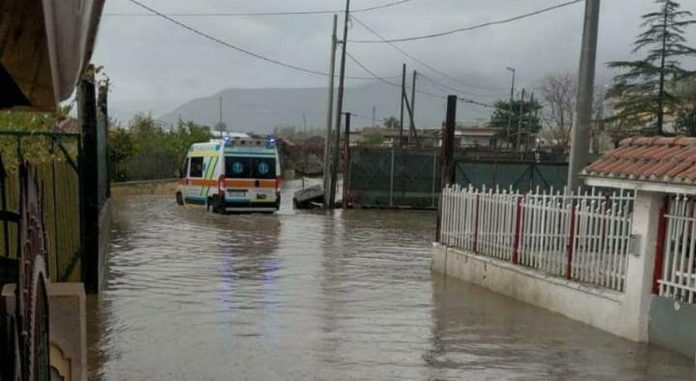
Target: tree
642, 95
525, 112
558, 92
686, 116
391, 123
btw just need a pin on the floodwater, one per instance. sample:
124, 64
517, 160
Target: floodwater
309, 296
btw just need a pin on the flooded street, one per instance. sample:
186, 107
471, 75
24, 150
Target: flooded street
304, 295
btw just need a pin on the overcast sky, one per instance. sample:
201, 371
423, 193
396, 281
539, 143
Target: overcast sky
150, 59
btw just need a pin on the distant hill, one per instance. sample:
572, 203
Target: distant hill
260, 110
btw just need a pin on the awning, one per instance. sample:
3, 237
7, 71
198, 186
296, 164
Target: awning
45, 46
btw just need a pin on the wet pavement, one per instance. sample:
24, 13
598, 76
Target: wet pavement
309, 296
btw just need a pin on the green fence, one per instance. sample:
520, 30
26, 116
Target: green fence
523, 175
396, 178
54, 158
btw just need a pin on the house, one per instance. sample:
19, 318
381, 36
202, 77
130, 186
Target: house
466, 137
662, 173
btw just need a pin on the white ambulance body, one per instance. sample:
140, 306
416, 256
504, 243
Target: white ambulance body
235, 174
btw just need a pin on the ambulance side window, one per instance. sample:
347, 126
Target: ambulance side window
196, 167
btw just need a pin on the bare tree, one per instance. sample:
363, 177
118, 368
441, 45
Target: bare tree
558, 92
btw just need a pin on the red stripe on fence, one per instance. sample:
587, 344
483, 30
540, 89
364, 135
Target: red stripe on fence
476, 224
518, 233
571, 244
660, 247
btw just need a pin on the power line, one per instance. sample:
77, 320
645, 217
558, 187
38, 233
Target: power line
288, 13
382, 79
470, 28
234, 47
450, 88
402, 51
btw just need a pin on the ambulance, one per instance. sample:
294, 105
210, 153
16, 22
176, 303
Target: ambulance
234, 174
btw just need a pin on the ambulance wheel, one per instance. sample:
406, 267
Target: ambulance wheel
217, 204
179, 199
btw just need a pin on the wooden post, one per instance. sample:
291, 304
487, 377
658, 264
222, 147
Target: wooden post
448, 142
446, 155
346, 164
89, 178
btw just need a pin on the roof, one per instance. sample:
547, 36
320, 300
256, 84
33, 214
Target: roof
44, 48
67, 125
656, 159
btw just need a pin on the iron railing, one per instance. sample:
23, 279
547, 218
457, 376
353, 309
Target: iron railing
585, 237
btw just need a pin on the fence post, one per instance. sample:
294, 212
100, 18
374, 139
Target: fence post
518, 232
571, 242
89, 178
660, 245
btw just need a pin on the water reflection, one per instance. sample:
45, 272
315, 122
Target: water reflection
195, 296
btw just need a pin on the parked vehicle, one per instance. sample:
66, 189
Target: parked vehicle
233, 174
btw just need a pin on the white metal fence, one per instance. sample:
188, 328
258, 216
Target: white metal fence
583, 237
678, 275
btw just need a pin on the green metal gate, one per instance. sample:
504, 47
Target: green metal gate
56, 158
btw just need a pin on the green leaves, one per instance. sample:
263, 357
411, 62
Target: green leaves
641, 94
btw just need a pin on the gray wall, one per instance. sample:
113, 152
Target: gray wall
672, 325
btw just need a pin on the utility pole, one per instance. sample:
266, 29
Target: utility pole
519, 124
512, 100
346, 164
413, 107
329, 117
339, 111
580, 144
374, 116
403, 94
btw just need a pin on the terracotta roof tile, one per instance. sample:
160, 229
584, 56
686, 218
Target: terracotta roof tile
671, 160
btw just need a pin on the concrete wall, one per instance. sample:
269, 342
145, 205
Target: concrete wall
672, 325
604, 309
165, 187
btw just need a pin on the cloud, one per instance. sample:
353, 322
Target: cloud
151, 59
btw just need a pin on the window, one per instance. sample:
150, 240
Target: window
196, 167
250, 167
263, 168
237, 167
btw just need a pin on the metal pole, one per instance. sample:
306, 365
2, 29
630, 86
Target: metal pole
519, 124
512, 101
329, 116
339, 111
403, 95
579, 151
346, 164
413, 106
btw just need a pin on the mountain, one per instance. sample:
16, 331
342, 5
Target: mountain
260, 110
